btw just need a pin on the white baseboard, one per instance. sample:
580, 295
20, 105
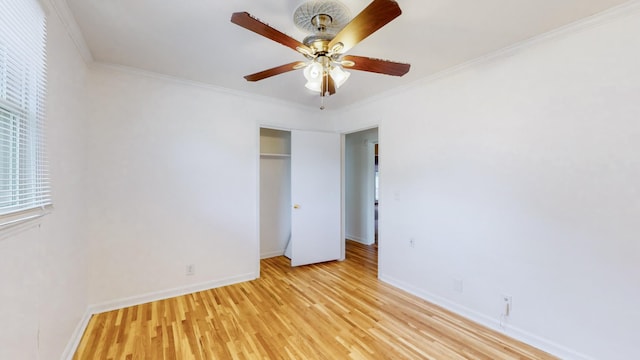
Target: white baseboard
482, 319
270, 254
72, 346
166, 294
358, 239
518, 334
73, 343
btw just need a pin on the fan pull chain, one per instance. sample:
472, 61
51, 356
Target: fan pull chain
325, 79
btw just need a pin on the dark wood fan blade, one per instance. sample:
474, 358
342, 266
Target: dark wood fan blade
250, 23
376, 65
328, 85
373, 17
274, 71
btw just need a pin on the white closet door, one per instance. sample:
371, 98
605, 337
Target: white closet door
315, 193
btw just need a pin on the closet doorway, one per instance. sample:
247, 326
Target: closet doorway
300, 195
275, 192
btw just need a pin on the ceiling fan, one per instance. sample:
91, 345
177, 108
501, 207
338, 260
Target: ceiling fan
332, 35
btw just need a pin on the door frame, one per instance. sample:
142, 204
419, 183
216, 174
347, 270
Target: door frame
261, 125
343, 134
370, 183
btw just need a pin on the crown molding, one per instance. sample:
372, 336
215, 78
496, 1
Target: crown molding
61, 9
626, 9
96, 65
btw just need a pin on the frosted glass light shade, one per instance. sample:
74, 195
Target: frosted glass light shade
313, 72
314, 86
339, 76
314, 75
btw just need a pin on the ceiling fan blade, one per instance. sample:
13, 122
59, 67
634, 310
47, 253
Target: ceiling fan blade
275, 71
376, 65
327, 85
250, 23
373, 17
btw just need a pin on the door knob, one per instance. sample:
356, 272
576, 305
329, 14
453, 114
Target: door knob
296, 206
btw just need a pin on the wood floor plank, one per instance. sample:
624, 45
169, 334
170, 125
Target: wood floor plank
335, 310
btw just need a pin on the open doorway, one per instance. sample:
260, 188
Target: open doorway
376, 185
361, 170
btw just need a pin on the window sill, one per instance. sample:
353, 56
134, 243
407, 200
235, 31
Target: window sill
10, 224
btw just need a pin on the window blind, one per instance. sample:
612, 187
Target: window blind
24, 178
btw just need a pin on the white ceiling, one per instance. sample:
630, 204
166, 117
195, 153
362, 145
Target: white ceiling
194, 39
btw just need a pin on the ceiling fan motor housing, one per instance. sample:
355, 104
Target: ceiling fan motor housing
320, 44
321, 22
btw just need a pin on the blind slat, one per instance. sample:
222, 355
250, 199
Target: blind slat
24, 177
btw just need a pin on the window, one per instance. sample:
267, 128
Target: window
24, 183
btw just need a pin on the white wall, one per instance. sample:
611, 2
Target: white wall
43, 279
359, 184
519, 175
174, 181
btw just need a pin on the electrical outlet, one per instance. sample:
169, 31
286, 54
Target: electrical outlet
507, 305
191, 270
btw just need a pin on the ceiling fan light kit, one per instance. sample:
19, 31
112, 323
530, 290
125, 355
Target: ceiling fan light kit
331, 34
339, 76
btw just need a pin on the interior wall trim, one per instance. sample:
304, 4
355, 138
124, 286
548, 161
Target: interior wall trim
76, 337
203, 85
169, 293
61, 9
539, 342
626, 9
359, 239
270, 254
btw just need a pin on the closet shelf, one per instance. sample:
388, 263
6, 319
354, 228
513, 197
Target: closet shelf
267, 155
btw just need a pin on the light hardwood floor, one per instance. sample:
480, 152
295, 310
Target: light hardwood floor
335, 310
